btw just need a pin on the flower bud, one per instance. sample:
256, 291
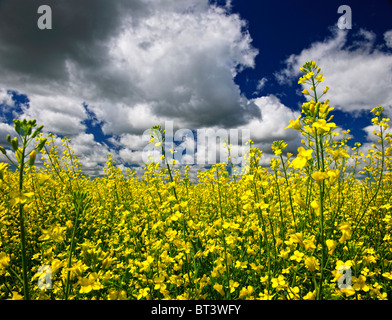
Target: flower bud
41, 145
19, 154
33, 155
14, 143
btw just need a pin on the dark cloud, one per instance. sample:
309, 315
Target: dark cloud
132, 62
80, 32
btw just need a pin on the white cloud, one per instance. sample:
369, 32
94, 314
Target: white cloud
275, 117
260, 85
61, 114
388, 38
6, 98
161, 60
359, 76
181, 66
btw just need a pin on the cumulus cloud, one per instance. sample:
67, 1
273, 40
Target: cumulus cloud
181, 66
275, 117
6, 98
134, 64
388, 38
179, 63
359, 74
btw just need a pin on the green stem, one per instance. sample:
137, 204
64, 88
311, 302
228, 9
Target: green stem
22, 228
288, 188
223, 237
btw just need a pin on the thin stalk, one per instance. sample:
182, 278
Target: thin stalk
288, 187
22, 228
224, 236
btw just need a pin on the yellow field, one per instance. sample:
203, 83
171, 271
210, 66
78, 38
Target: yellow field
312, 226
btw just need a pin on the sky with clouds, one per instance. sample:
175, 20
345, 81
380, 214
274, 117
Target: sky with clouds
109, 70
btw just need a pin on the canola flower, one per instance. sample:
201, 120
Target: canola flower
285, 232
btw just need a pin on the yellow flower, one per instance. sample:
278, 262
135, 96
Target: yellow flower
339, 153
293, 293
265, 295
305, 92
311, 295
55, 233
218, 287
233, 285
315, 204
19, 198
331, 244
284, 253
319, 176
295, 124
143, 293
302, 158
348, 291
159, 283
360, 283
90, 283
345, 228
309, 244
298, 200
3, 168
309, 75
278, 282
16, 296
387, 275
302, 80
4, 261
297, 256
323, 126
333, 176
117, 295
297, 238
312, 263
241, 264
246, 291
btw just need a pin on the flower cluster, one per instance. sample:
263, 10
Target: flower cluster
281, 232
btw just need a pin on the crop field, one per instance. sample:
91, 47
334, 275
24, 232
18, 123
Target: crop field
316, 225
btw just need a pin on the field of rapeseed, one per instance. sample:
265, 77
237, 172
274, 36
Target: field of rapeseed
312, 226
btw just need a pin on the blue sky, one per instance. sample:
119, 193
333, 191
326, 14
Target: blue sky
107, 71
282, 28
